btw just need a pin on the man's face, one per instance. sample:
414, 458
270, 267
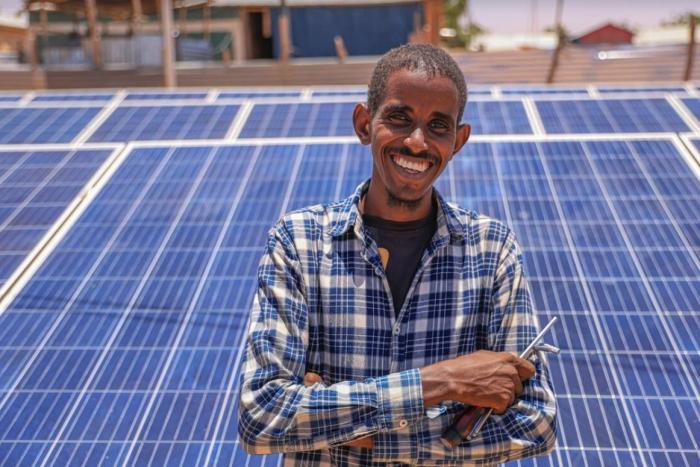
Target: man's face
413, 134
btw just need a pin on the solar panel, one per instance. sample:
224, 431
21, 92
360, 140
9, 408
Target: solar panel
693, 104
302, 119
36, 187
131, 123
28, 125
641, 89
258, 94
478, 91
124, 347
165, 96
73, 96
360, 93
609, 116
10, 97
497, 117
543, 91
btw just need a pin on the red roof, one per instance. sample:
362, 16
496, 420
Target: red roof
608, 33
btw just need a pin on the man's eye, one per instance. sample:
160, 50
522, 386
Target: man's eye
439, 125
398, 116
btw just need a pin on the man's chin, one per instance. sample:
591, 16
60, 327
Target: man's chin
404, 201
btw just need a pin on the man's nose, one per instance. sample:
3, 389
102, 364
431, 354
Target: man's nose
416, 141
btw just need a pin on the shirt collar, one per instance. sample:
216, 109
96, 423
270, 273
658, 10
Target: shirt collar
348, 214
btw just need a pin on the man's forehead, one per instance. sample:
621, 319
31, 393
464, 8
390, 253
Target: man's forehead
418, 88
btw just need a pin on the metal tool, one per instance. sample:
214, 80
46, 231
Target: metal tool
469, 423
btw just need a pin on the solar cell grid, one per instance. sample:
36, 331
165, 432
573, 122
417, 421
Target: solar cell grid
304, 119
641, 89
258, 94
609, 116
360, 93
135, 321
497, 117
34, 192
542, 91
10, 97
693, 104
73, 96
28, 125
165, 96
133, 123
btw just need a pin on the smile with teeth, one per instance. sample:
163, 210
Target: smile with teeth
410, 166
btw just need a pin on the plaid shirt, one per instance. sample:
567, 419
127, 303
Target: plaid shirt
324, 305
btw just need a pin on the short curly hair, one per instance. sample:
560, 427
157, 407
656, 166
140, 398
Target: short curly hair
423, 58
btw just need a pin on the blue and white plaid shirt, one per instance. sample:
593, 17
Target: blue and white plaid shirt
324, 305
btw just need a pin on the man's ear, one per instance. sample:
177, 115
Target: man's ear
361, 120
463, 132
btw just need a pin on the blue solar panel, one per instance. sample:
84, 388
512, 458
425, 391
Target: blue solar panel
73, 96
497, 117
10, 97
359, 93
131, 123
44, 124
542, 91
477, 91
609, 116
35, 189
257, 94
143, 305
165, 96
304, 119
641, 89
693, 104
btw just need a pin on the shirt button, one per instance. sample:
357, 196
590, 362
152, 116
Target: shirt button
403, 423
397, 330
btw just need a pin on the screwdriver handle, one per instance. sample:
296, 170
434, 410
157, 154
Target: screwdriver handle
462, 426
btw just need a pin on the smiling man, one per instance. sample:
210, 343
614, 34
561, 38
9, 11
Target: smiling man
379, 318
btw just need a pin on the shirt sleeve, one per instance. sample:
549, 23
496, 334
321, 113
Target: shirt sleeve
527, 428
277, 413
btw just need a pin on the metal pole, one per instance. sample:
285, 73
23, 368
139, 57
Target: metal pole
91, 8
554, 64
166, 17
691, 50
283, 27
136, 16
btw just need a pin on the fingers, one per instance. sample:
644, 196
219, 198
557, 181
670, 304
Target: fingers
526, 369
311, 378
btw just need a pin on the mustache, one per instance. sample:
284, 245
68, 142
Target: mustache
404, 151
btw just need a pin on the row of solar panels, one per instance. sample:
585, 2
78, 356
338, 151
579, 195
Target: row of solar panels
124, 345
128, 121
359, 91
37, 186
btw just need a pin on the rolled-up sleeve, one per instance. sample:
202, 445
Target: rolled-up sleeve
277, 413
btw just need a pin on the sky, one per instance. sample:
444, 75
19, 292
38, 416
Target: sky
515, 16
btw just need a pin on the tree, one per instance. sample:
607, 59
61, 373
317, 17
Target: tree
457, 18
682, 19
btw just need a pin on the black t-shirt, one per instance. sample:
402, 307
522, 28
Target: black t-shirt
403, 244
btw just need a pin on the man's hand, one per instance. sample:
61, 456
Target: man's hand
310, 379
481, 379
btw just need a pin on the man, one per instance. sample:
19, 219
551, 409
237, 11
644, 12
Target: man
379, 318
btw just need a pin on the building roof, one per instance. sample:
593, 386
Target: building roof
292, 3
600, 28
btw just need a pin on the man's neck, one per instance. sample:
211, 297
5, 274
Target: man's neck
376, 202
